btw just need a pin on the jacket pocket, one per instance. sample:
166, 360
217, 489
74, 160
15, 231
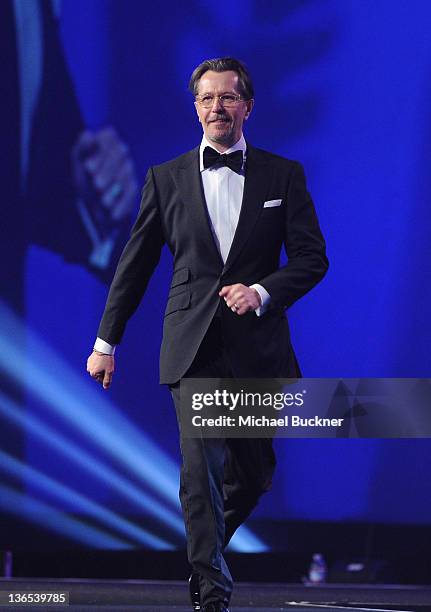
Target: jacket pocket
178, 302
179, 277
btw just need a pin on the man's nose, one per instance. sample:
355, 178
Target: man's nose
217, 105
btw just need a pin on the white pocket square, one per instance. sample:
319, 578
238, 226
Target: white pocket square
272, 203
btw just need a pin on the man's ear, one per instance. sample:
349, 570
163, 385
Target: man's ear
197, 112
250, 104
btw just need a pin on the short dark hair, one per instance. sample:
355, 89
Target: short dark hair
221, 64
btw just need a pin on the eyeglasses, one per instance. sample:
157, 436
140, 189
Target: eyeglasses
226, 100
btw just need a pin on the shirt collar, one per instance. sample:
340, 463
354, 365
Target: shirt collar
241, 145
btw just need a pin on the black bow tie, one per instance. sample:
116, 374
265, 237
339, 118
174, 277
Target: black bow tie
231, 160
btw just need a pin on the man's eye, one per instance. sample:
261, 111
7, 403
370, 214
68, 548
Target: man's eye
228, 98
207, 98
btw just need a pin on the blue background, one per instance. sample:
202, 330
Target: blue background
342, 86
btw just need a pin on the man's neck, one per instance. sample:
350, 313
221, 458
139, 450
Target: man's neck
239, 145
222, 147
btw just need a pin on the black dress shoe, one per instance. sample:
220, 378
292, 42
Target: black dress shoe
195, 592
215, 607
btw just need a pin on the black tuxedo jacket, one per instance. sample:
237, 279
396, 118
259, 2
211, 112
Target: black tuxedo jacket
173, 211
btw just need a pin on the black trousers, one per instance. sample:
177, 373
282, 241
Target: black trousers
221, 480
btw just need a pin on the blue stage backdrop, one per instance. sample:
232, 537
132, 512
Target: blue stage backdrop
342, 86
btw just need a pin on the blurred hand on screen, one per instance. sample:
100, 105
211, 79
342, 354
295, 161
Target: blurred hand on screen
105, 177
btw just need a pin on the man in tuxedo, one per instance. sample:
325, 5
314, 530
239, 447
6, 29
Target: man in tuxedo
65, 188
225, 209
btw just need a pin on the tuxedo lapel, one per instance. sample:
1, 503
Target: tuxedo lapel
189, 183
257, 181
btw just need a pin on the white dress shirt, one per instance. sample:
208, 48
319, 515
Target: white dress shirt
223, 189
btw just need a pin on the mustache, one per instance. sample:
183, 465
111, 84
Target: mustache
220, 118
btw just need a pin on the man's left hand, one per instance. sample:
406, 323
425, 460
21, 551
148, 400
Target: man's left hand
240, 298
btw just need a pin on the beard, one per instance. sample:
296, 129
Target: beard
223, 135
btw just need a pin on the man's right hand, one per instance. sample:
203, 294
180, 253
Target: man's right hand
101, 368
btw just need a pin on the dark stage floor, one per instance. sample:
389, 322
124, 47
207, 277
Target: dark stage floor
164, 596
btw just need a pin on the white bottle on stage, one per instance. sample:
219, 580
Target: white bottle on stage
318, 571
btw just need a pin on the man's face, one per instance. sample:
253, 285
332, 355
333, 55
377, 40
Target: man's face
222, 126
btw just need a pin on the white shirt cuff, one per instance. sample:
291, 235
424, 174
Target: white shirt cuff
104, 347
265, 298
